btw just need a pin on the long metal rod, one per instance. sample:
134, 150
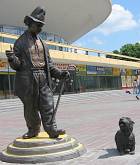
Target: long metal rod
58, 100
59, 96
9, 81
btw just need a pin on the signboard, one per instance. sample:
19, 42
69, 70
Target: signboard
5, 68
116, 72
72, 67
100, 70
91, 70
81, 69
65, 66
3, 65
128, 72
108, 71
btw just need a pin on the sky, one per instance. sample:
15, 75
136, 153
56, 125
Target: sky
120, 28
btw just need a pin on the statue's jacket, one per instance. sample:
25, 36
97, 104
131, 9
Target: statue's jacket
21, 62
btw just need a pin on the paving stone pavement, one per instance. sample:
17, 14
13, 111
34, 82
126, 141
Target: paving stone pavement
92, 118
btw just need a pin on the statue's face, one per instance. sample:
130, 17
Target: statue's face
126, 125
35, 27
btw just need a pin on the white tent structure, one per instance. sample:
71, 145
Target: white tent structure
70, 19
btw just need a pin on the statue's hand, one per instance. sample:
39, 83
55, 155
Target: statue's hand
9, 54
65, 75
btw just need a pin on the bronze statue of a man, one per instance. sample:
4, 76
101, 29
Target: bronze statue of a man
34, 69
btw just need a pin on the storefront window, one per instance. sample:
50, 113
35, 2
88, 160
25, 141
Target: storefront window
20, 30
50, 37
9, 40
1, 39
57, 39
1, 28
43, 35
11, 30
52, 47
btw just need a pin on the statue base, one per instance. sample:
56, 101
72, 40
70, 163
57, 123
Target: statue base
42, 149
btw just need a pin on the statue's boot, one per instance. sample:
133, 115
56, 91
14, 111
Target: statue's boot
127, 151
132, 152
31, 133
53, 132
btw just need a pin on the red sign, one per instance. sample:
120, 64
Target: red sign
65, 66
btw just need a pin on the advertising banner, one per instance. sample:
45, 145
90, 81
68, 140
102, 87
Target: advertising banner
116, 72
91, 70
65, 66
108, 71
81, 69
100, 70
128, 72
4, 67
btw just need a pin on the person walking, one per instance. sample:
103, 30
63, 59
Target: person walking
135, 85
138, 88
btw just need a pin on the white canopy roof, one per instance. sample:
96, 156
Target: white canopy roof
70, 19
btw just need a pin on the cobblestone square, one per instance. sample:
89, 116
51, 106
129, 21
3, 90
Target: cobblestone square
92, 118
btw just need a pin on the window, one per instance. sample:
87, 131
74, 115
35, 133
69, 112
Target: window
13, 30
50, 37
52, 47
1, 28
57, 39
43, 35
9, 40
1, 39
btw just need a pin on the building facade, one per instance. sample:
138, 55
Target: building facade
66, 21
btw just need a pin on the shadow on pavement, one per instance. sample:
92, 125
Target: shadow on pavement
110, 153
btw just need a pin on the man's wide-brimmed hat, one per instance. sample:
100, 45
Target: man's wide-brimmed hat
38, 15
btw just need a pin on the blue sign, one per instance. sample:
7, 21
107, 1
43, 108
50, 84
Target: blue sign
108, 71
91, 69
100, 70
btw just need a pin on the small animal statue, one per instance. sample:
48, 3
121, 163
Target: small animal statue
124, 138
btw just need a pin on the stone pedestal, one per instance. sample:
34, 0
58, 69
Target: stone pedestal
42, 149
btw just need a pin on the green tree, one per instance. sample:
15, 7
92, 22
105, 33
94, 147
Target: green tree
128, 50
116, 52
132, 50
